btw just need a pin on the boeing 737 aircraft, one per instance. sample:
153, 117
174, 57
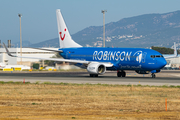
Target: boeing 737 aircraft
98, 60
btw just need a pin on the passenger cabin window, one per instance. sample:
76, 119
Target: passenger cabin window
156, 56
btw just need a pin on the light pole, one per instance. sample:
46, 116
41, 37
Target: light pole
103, 11
20, 15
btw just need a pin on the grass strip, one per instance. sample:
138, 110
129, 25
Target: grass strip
89, 84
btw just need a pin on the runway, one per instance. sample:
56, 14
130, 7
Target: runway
163, 78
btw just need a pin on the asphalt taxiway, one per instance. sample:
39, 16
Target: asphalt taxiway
163, 78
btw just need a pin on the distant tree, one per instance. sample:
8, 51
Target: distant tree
36, 65
52, 63
164, 50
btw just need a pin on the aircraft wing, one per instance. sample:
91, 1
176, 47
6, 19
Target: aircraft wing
60, 51
107, 64
175, 53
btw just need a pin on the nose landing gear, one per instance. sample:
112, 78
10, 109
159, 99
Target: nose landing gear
153, 75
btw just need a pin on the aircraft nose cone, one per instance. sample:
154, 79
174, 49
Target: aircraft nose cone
163, 63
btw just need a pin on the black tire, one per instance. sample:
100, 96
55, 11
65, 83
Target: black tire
96, 75
153, 75
123, 74
119, 74
93, 75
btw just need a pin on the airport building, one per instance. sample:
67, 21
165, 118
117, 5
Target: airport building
173, 62
26, 52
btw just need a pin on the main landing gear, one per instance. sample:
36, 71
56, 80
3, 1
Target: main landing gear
93, 75
121, 73
153, 75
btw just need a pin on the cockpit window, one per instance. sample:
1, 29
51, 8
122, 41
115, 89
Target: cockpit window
156, 56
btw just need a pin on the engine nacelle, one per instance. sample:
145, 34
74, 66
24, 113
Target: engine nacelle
96, 68
142, 72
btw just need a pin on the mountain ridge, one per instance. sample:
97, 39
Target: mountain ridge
138, 31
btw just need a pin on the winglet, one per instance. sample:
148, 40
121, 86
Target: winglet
175, 50
8, 51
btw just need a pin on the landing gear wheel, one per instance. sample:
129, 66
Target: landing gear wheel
96, 75
93, 75
153, 75
121, 74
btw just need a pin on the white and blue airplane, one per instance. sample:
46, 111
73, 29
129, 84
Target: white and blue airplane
98, 60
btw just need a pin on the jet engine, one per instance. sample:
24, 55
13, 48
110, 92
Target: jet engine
96, 68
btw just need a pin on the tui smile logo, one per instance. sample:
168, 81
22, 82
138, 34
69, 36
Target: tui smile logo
62, 38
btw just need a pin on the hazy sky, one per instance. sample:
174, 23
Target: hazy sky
39, 16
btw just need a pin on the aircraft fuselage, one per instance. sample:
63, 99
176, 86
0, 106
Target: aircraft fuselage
121, 58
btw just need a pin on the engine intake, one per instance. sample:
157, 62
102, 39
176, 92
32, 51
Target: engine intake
96, 68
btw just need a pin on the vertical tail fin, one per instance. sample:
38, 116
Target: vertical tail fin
65, 39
